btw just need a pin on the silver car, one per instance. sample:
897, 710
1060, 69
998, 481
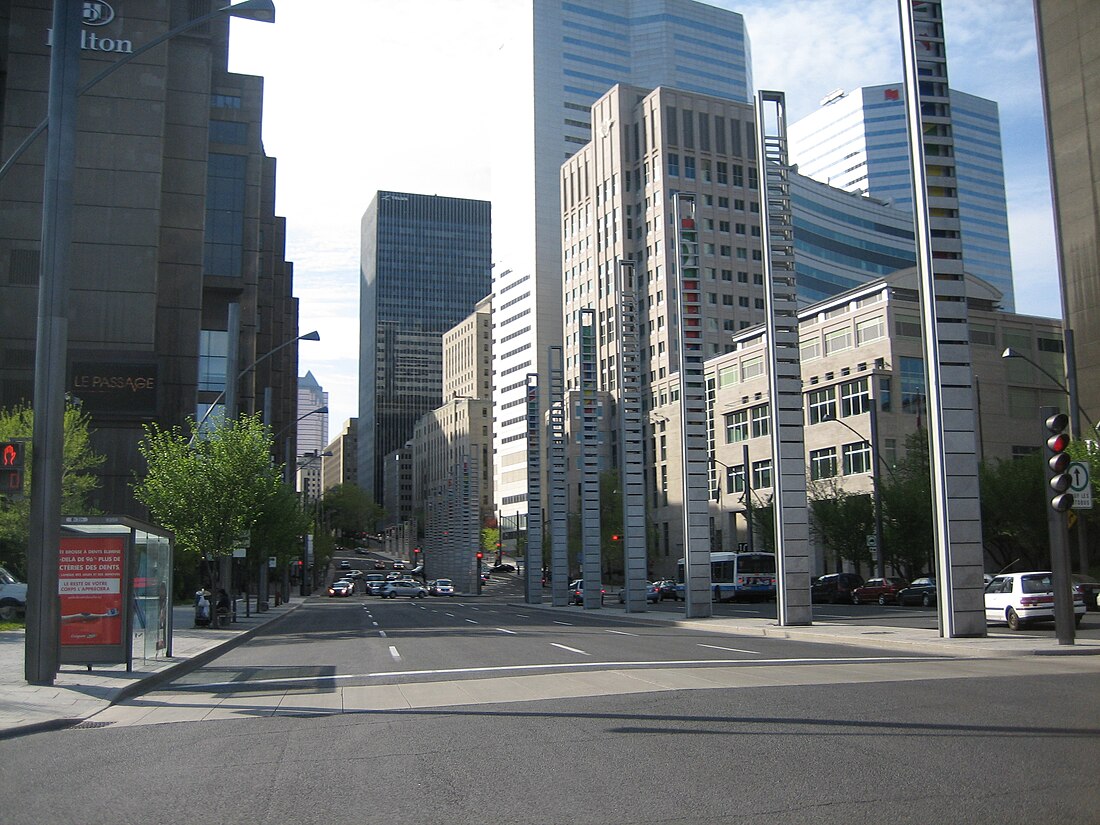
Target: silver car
403, 587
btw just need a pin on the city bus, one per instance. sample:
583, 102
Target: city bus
736, 576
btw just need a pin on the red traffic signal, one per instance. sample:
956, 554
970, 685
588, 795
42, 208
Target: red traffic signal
480, 555
11, 466
1058, 461
416, 550
616, 537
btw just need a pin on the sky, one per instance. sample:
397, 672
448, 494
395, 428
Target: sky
368, 95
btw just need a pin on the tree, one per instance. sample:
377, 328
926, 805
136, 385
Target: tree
349, 509
279, 529
1014, 520
210, 491
842, 520
78, 481
490, 540
763, 525
907, 509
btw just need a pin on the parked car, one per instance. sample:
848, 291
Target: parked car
922, 590
881, 590
362, 551
1088, 588
835, 587
670, 590
398, 565
441, 587
1018, 599
403, 587
576, 592
353, 575
13, 597
652, 593
392, 577
503, 567
341, 587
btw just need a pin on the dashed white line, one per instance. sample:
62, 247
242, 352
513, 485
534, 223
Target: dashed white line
522, 616
471, 621
374, 624
382, 633
731, 649
393, 652
452, 615
509, 632
621, 633
570, 649
567, 624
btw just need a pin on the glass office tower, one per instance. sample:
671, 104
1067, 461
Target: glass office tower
425, 263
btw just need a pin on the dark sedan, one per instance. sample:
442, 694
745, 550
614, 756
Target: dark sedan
883, 591
1088, 588
920, 591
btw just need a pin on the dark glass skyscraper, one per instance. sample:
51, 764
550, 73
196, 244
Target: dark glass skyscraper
425, 263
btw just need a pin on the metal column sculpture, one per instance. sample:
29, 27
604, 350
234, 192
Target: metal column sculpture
695, 460
556, 498
792, 526
591, 561
533, 559
956, 506
632, 458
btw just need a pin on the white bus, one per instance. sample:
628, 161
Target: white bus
736, 576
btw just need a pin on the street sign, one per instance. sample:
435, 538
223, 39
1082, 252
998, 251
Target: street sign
872, 544
1080, 485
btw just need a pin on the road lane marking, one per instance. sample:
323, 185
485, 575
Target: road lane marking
570, 649
522, 616
474, 608
471, 621
382, 633
731, 649
621, 633
567, 624
452, 615
374, 624
393, 652
570, 665
509, 632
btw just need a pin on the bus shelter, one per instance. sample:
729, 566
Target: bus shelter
115, 584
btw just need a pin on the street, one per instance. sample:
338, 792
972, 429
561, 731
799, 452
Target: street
483, 710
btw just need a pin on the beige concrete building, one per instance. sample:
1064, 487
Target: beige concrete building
339, 464
859, 349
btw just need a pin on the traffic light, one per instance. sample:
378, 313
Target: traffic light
416, 550
480, 555
616, 537
11, 467
1058, 461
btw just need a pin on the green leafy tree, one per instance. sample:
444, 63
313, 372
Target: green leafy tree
490, 538
210, 491
842, 520
78, 480
1014, 520
279, 529
907, 509
350, 510
763, 525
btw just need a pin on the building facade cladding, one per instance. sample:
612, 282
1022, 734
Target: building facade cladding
1071, 79
617, 204
862, 348
397, 478
858, 142
425, 265
157, 267
312, 429
569, 54
339, 467
468, 354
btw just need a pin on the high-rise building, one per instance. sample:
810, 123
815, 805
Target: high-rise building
857, 142
425, 264
312, 428
565, 56
618, 206
173, 223
1071, 73
338, 467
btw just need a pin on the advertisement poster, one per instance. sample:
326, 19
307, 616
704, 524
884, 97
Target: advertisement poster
89, 581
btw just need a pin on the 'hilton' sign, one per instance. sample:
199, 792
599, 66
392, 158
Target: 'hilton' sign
98, 14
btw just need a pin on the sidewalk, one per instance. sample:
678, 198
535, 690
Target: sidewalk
898, 639
78, 693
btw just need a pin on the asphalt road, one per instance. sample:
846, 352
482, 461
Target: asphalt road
479, 711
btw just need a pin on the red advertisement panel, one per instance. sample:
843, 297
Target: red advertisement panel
90, 586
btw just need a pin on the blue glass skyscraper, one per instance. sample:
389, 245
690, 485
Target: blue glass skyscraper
425, 262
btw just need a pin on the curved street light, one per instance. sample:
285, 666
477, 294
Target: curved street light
1012, 353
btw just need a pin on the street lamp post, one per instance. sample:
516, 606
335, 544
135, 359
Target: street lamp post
749, 544
876, 494
41, 656
275, 440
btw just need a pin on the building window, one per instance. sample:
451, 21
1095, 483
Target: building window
213, 358
735, 479
809, 348
228, 131
821, 405
673, 165
870, 330
907, 326
760, 419
737, 426
857, 458
762, 474
823, 463
884, 399
838, 340
225, 202
689, 167
727, 376
855, 399
752, 367
912, 384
